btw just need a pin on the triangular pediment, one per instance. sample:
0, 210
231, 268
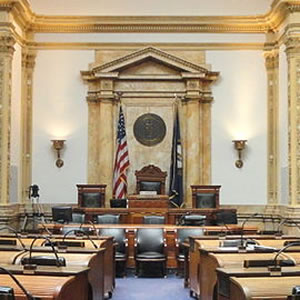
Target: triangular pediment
143, 56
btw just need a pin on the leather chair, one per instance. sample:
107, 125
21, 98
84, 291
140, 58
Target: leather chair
78, 218
154, 220
121, 248
91, 195
108, 219
193, 220
205, 196
182, 235
150, 249
226, 217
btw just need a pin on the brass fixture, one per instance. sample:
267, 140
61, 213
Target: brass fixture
239, 145
58, 145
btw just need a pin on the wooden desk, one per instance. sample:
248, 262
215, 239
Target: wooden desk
148, 201
224, 277
48, 287
212, 242
106, 269
267, 288
211, 261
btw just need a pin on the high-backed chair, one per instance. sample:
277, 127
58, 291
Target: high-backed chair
108, 219
151, 178
150, 249
154, 220
91, 195
226, 217
121, 248
205, 196
182, 235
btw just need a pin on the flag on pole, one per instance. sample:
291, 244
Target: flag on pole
121, 161
176, 180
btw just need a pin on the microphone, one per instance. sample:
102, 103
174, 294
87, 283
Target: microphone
83, 232
16, 234
95, 229
243, 245
276, 266
28, 265
278, 233
27, 294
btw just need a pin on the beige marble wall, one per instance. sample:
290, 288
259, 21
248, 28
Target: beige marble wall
141, 155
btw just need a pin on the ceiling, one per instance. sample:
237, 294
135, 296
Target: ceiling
151, 7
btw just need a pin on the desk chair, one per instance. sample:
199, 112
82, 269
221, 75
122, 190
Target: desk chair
121, 248
182, 235
193, 220
78, 218
108, 219
150, 249
154, 220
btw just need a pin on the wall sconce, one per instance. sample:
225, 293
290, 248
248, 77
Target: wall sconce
58, 145
239, 145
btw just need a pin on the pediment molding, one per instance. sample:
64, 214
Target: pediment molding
186, 69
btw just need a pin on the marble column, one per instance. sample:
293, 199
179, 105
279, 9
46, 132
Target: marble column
6, 54
28, 63
192, 147
93, 140
293, 57
272, 68
106, 145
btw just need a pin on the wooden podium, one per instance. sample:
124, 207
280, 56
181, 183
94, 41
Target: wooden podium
148, 201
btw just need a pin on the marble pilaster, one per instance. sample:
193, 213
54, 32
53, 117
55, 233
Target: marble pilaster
293, 56
192, 147
272, 68
6, 53
28, 63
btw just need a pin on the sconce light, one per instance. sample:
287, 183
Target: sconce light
58, 145
239, 145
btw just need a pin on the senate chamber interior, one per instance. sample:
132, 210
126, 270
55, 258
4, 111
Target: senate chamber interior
150, 149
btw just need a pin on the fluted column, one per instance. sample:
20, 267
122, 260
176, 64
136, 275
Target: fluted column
6, 53
28, 63
272, 68
293, 57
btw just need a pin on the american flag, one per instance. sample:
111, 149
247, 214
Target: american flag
121, 161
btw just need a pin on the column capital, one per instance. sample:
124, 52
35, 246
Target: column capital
7, 42
271, 58
292, 45
28, 59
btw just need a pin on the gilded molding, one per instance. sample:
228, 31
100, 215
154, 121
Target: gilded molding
270, 21
132, 46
